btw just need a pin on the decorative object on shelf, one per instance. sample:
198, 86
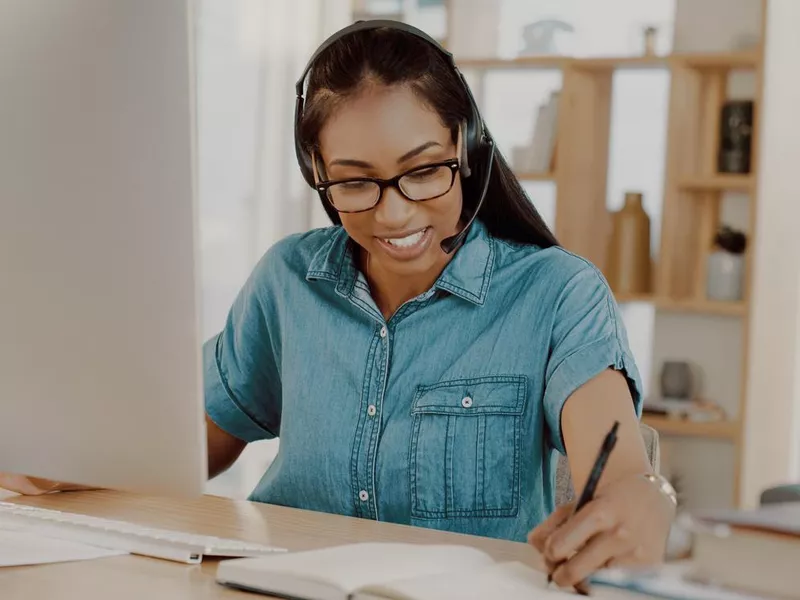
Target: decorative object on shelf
693, 411
725, 270
650, 39
539, 155
735, 136
677, 380
539, 38
629, 265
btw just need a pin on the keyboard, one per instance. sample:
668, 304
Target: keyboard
127, 537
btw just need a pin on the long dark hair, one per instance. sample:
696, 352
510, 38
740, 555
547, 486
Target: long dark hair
389, 57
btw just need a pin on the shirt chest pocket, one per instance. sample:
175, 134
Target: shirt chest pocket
465, 448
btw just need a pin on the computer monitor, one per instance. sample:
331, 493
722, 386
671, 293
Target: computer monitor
100, 356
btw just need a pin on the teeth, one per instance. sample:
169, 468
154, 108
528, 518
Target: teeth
407, 241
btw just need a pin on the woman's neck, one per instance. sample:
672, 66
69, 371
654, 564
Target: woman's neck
390, 291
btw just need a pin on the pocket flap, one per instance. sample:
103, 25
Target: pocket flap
499, 394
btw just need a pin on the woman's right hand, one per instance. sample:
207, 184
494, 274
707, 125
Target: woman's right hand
34, 486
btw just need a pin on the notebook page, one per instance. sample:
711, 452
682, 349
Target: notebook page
18, 548
509, 581
353, 566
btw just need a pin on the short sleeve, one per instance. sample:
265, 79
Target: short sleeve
241, 378
588, 337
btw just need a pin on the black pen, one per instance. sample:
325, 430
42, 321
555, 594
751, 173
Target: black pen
591, 484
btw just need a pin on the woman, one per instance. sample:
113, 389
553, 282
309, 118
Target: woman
419, 386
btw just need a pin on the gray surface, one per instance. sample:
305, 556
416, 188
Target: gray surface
99, 353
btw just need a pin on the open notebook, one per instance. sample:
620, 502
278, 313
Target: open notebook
384, 571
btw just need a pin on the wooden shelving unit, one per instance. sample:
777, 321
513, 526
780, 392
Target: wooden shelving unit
693, 193
726, 60
536, 176
721, 430
709, 307
716, 183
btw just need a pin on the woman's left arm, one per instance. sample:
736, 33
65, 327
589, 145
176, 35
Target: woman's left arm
628, 521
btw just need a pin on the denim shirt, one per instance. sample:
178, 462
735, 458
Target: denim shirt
446, 416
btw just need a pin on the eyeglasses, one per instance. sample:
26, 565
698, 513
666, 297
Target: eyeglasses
421, 183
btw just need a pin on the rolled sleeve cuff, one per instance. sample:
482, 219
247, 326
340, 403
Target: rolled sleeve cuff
580, 367
221, 407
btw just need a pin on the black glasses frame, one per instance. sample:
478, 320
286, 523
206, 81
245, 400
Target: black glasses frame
323, 186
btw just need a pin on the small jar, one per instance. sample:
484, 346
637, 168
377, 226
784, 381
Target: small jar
724, 276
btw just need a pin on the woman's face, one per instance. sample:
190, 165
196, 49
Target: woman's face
383, 132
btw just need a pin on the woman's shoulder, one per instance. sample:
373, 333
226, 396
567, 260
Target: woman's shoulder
554, 266
296, 252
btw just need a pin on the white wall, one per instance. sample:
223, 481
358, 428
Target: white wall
250, 53
715, 25
773, 421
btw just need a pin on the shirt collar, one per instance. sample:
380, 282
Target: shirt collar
467, 275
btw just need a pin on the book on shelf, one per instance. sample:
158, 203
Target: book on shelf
756, 551
387, 571
539, 154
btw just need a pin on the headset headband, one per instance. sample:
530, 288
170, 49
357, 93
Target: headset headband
365, 25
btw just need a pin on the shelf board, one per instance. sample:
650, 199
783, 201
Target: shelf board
533, 176
724, 430
607, 63
711, 307
721, 182
719, 60
522, 62
711, 60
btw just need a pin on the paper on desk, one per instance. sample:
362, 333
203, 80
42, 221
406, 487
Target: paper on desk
18, 548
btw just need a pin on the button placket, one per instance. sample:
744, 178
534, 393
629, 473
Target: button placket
367, 495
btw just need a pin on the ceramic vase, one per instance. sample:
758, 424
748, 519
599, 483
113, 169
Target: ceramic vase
629, 266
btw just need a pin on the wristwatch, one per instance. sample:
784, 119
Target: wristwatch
664, 486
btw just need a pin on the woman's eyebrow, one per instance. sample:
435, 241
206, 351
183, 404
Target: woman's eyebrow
418, 150
352, 162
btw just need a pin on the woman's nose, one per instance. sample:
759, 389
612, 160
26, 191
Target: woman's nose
393, 210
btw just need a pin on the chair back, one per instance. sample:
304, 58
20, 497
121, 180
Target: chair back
565, 491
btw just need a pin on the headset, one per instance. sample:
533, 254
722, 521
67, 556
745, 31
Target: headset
475, 135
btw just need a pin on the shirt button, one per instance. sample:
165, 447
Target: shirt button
371, 410
363, 495
466, 402
383, 332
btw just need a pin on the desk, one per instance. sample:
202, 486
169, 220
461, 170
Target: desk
142, 578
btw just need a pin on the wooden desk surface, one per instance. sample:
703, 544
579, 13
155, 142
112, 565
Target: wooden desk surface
136, 577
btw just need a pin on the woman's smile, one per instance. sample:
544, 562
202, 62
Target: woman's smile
407, 245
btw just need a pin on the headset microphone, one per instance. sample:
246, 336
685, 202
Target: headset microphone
450, 244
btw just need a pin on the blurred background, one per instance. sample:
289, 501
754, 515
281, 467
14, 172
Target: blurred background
635, 128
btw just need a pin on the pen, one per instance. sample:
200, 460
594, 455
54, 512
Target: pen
591, 486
